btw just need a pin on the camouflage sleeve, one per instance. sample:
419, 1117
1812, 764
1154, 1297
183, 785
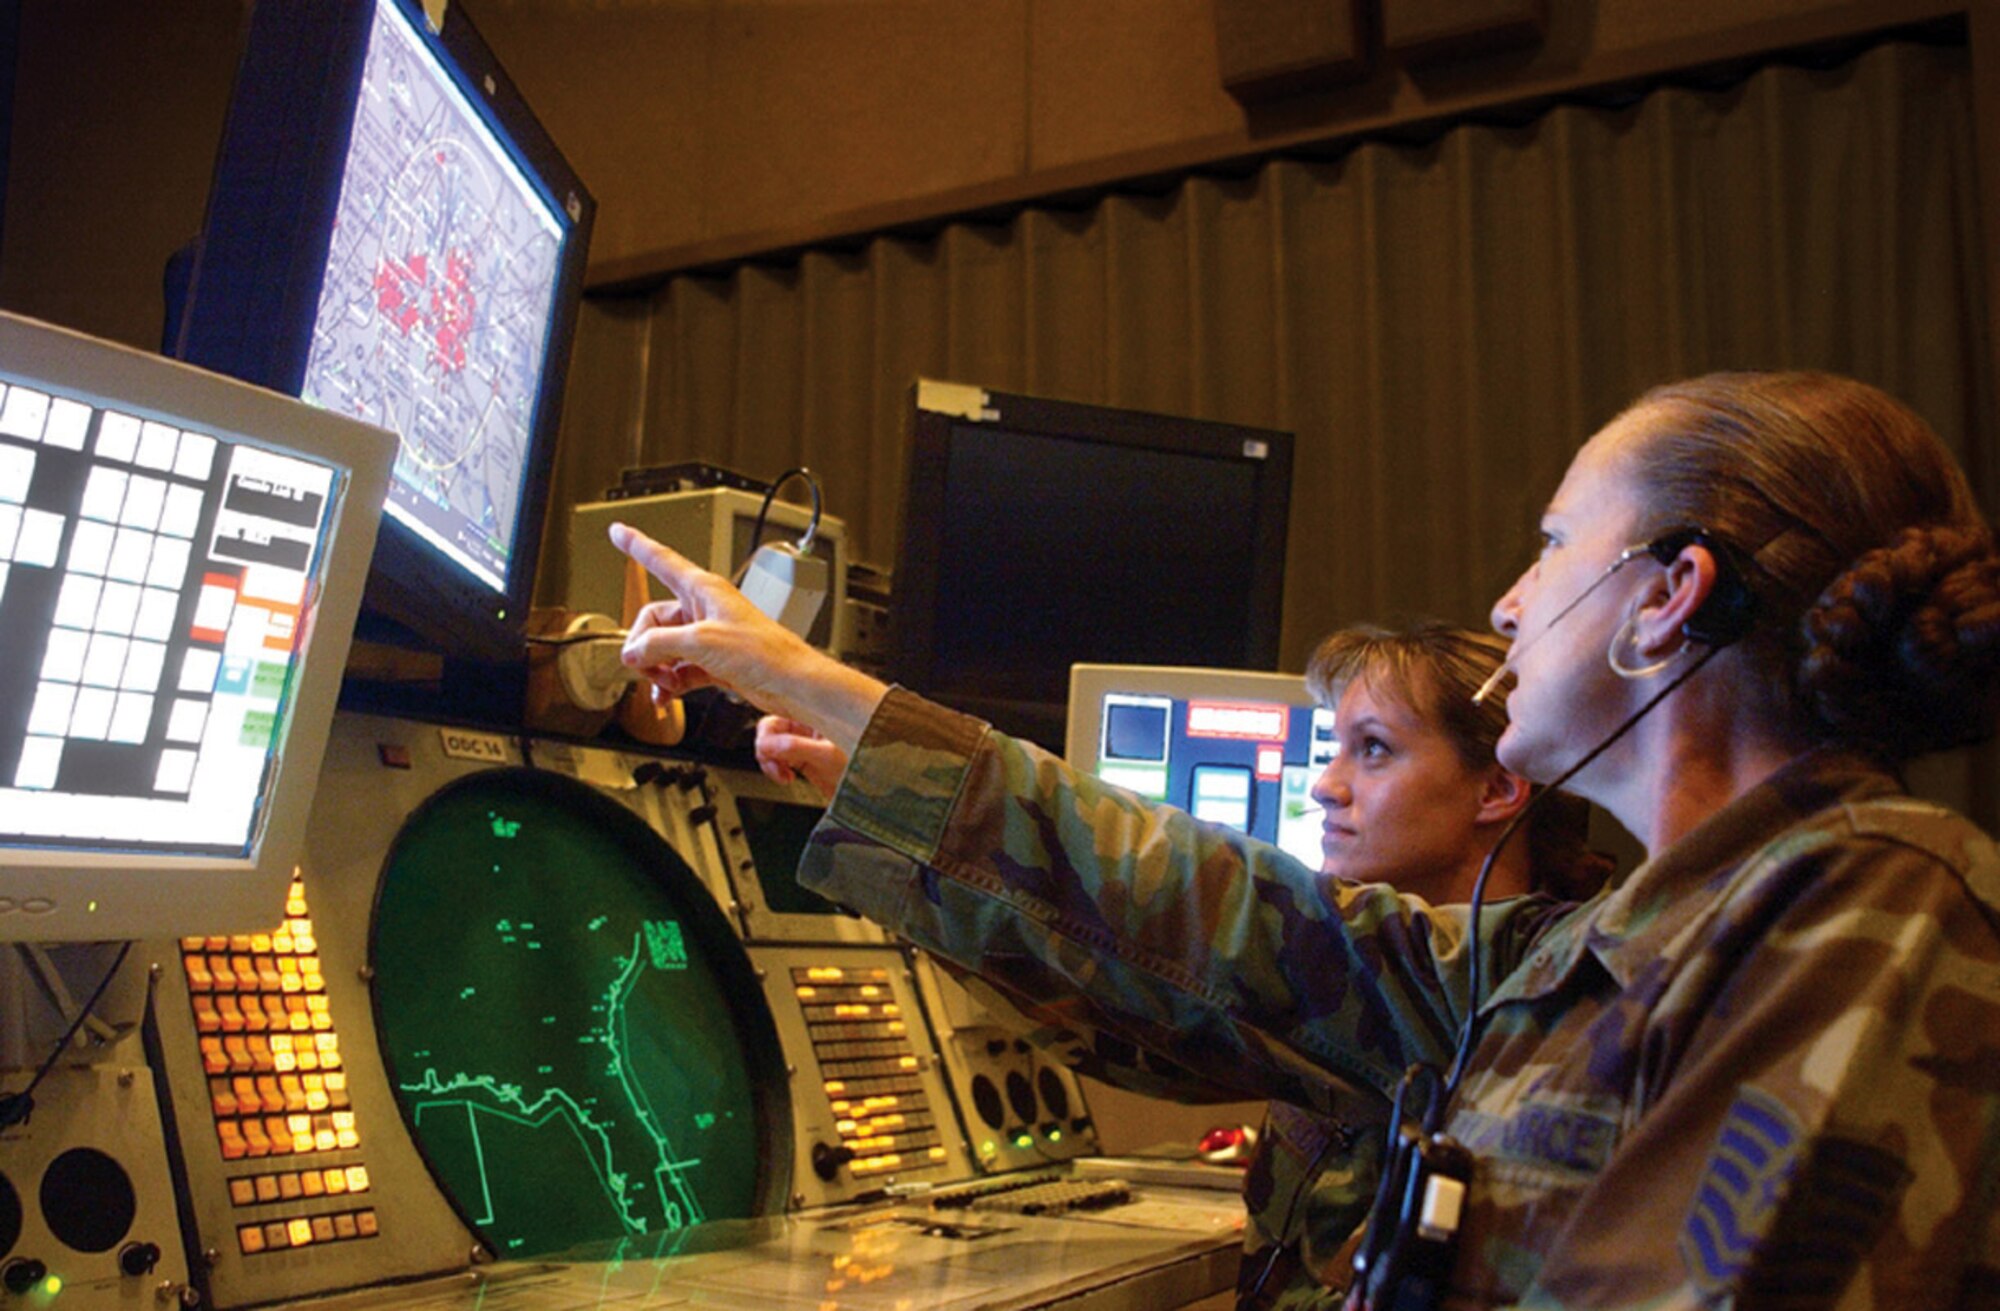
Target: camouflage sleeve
1819, 1125
1185, 938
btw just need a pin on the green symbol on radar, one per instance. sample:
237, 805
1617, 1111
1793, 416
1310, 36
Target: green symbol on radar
663, 941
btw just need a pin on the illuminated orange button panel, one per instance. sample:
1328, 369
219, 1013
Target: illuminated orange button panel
276, 1084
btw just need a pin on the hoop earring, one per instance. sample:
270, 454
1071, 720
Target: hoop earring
1624, 637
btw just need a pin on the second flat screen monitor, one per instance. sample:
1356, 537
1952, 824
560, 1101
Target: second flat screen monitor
1038, 534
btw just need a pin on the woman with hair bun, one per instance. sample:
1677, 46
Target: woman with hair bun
1762, 1069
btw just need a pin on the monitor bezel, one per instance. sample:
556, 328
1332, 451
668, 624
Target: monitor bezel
937, 409
253, 287
152, 894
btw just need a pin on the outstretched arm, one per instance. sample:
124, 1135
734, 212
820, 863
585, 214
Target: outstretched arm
709, 635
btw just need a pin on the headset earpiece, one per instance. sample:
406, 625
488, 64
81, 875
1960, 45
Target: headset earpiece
1731, 607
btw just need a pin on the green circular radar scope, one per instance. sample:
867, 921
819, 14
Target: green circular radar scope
577, 1041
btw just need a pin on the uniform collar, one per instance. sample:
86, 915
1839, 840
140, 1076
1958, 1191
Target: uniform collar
1646, 917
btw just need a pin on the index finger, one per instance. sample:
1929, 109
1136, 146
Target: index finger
661, 561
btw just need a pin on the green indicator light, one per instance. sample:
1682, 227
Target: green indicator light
1055, 1135
92, 907
52, 1285
1023, 1141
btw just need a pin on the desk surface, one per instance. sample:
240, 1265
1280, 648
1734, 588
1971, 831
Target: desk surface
1166, 1248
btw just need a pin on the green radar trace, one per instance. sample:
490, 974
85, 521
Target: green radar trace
558, 1003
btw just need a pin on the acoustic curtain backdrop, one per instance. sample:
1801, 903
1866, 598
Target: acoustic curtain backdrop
1440, 321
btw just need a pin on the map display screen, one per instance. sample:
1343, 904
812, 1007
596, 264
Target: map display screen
574, 1037
440, 289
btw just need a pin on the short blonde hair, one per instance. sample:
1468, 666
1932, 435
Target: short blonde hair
1433, 669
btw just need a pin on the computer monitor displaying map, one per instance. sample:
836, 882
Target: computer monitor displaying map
181, 559
1228, 746
392, 235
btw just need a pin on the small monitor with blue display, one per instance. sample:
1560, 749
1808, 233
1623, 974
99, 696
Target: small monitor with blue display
1230, 747
392, 235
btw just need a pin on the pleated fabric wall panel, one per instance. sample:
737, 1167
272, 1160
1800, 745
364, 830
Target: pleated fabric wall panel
1440, 322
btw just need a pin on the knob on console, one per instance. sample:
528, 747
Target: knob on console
21, 1274
827, 1159
138, 1259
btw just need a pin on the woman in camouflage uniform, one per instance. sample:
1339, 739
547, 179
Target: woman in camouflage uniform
1763, 1069
1402, 699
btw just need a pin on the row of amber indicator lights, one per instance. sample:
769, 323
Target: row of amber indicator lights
875, 1118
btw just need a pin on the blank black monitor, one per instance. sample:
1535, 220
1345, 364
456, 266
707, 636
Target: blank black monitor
1037, 534
392, 235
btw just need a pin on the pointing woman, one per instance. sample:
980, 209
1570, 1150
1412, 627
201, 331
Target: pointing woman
1759, 1070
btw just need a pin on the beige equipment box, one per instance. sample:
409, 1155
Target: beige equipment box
712, 527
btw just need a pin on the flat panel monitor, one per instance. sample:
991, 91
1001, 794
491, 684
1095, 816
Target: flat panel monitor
1228, 746
1037, 534
181, 560
392, 235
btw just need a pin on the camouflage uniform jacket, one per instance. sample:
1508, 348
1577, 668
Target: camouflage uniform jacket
1763, 1070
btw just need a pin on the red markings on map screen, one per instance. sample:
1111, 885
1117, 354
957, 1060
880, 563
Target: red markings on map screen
444, 308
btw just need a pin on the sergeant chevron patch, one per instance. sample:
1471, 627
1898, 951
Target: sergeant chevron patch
1753, 1160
